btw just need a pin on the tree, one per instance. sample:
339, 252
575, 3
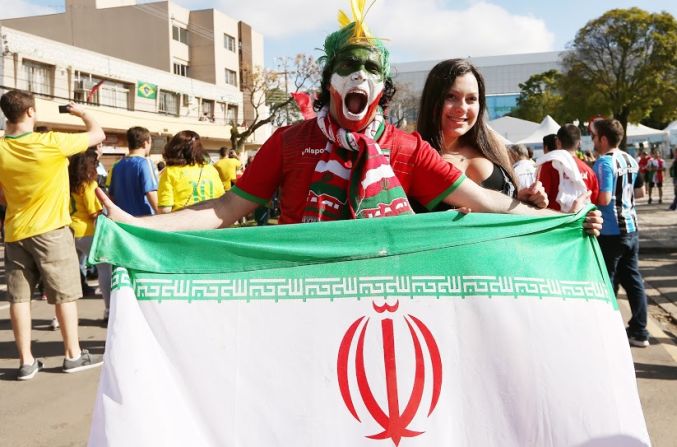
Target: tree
288, 111
403, 108
539, 97
262, 90
623, 63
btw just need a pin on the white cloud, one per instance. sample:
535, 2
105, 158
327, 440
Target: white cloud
415, 29
429, 31
280, 19
23, 8
419, 29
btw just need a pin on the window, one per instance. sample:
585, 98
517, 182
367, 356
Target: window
180, 34
229, 42
180, 69
207, 106
169, 103
231, 77
86, 89
36, 77
231, 114
114, 94
94, 90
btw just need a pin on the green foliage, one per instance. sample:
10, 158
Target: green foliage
624, 64
539, 97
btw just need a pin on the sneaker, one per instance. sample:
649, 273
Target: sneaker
638, 343
27, 372
54, 324
85, 361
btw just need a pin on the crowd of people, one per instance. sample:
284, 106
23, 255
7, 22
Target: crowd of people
348, 163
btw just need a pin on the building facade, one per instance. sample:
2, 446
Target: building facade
502, 76
157, 65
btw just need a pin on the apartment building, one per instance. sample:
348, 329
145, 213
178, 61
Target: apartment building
156, 65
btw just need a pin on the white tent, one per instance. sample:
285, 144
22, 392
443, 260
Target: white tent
512, 129
640, 130
638, 133
535, 138
500, 137
671, 129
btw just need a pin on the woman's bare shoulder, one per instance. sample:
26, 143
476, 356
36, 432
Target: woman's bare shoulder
479, 168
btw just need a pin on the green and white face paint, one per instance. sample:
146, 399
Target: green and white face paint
356, 87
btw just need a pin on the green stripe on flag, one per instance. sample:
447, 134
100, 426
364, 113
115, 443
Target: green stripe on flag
437, 255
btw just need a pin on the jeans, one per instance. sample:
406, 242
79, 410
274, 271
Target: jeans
621, 256
83, 245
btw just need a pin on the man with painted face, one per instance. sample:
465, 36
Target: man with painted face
346, 163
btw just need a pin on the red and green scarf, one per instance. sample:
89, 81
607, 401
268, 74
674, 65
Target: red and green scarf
353, 179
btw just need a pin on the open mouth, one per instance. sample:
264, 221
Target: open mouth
356, 102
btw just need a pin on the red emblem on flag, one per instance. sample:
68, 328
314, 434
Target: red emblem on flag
390, 415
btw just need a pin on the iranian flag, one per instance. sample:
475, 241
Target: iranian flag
427, 330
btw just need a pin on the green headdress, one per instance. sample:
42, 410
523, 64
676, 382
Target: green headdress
354, 33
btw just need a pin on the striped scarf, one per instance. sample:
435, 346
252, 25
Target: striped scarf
353, 179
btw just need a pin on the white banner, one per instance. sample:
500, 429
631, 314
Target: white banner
417, 371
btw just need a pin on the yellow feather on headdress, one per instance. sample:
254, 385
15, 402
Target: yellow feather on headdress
360, 31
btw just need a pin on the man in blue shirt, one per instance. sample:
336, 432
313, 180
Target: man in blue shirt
617, 173
133, 185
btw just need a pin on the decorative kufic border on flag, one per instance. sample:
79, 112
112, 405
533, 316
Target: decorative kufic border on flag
403, 286
120, 278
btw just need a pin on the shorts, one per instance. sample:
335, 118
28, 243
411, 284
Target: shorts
656, 184
50, 255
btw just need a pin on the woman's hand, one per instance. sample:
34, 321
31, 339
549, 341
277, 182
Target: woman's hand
593, 222
534, 195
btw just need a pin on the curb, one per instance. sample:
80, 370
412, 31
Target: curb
660, 249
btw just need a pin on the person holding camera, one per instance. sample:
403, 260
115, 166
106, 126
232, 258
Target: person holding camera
38, 241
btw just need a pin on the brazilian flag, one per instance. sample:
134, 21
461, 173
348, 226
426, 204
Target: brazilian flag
146, 90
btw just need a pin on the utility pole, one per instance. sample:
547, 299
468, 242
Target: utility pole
282, 63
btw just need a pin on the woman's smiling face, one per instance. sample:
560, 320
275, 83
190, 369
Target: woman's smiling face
461, 108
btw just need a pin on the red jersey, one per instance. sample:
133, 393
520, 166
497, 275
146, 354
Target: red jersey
549, 177
656, 165
288, 159
642, 164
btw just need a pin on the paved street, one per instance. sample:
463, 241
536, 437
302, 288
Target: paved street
54, 409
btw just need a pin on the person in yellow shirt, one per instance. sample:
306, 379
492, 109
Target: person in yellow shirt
228, 167
187, 178
38, 242
85, 207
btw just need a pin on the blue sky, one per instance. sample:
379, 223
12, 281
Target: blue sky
415, 29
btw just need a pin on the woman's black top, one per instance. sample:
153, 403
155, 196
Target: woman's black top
498, 181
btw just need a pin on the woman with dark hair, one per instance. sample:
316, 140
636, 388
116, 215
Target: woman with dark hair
85, 207
188, 177
452, 119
